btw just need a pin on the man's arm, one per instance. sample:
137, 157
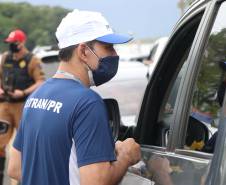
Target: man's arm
111, 173
14, 166
1, 63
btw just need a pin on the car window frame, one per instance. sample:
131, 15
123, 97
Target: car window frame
203, 31
211, 10
154, 80
215, 171
194, 59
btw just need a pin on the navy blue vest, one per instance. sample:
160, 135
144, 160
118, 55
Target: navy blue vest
15, 73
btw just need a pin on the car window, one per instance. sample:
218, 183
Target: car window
210, 88
216, 53
156, 113
167, 108
207, 99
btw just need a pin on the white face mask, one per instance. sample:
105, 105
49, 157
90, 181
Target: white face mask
90, 74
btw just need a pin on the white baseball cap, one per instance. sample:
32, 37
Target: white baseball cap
83, 26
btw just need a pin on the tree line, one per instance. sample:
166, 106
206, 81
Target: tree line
38, 22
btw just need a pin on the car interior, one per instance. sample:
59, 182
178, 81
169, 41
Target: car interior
114, 116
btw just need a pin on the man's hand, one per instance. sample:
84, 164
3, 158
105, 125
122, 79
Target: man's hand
128, 149
111, 173
17, 93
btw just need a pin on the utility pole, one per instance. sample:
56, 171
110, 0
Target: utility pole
181, 5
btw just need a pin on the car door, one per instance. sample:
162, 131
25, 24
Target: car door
165, 113
216, 173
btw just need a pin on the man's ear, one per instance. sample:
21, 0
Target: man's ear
82, 52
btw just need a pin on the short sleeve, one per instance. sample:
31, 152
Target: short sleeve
4, 55
17, 144
35, 69
92, 135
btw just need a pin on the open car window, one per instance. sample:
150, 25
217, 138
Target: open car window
167, 109
215, 53
209, 90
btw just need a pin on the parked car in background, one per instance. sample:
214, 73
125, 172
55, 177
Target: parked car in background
154, 55
151, 58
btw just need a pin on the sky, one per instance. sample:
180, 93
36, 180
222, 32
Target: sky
142, 18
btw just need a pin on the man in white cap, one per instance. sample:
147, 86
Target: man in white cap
64, 136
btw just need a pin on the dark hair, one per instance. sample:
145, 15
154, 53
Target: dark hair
65, 54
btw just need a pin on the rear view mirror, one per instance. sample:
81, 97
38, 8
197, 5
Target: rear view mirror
114, 116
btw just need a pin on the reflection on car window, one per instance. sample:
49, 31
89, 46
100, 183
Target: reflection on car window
210, 86
217, 53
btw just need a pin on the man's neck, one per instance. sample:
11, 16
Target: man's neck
76, 69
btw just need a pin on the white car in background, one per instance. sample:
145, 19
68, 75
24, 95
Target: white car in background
151, 58
129, 82
155, 54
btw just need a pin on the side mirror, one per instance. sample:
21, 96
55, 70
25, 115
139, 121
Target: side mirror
114, 116
197, 132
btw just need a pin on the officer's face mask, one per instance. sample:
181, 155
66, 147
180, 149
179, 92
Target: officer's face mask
107, 69
13, 47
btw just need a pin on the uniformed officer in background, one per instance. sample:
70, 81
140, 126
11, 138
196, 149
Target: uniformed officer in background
20, 75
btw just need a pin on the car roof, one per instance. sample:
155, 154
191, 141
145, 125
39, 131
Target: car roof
195, 5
